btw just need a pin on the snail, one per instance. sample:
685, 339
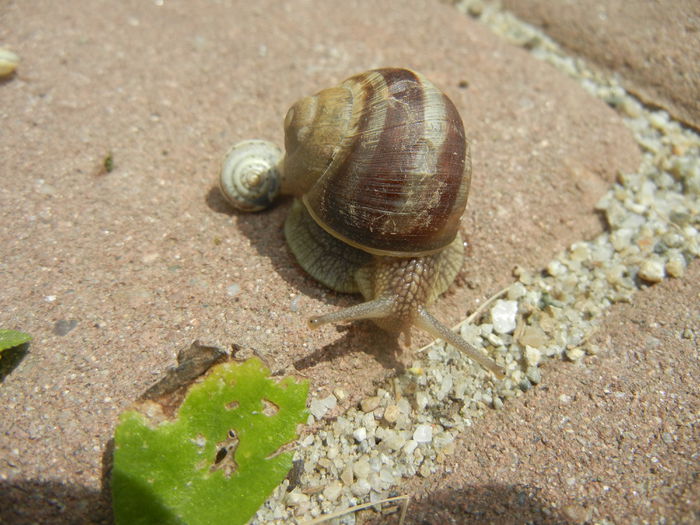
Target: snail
380, 169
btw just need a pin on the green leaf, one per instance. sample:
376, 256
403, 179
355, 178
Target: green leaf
12, 338
218, 460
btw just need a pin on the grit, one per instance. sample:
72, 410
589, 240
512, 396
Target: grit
409, 426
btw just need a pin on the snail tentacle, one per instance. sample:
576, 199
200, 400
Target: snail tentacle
435, 328
375, 309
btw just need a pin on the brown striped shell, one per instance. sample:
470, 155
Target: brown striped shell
381, 162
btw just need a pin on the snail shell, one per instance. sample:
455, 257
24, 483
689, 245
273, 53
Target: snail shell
249, 178
381, 170
380, 162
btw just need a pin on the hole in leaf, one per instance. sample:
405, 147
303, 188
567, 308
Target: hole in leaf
269, 408
220, 455
225, 454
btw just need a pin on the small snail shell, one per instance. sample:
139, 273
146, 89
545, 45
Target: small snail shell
249, 180
8, 62
380, 167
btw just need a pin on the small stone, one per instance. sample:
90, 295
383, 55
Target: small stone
532, 355
296, 498
675, 266
319, 407
575, 354
423, 434
346, 476
652, 271
667, 438
386, 475
360, 434
332, 490
592, 349
405, 406
391, 414
516, 291
533, 336
631, 107
503, 316
63, 326
577, 513
523, 275
475, 8
421, 401
424, 470
360, 488
409, 447
369, 404
232, 290
361, 468
393, 440
565, 399
340, 394
534, 375
442, 440
555, 268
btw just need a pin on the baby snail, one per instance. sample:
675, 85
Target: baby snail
379, 167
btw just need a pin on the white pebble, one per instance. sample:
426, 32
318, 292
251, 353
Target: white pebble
360, 434
361, 468
575, 354
652, 271
675, 266
319, 407
423, 434
409, 447
503, 316
421, 401
555, 268
532, 355
393, 440
361, 487
295, 498
332, 490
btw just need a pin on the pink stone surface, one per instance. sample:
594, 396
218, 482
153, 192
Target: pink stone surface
652, 47
148, 257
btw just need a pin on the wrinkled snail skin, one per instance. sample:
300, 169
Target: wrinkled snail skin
380, 169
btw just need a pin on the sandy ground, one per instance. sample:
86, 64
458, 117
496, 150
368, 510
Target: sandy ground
113, 272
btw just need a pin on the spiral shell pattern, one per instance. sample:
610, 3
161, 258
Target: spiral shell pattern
249, 179
397, 178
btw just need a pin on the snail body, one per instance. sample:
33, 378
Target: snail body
380, 169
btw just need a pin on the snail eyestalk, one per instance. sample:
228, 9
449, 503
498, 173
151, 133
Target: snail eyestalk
250, 178
429, 324
376, 309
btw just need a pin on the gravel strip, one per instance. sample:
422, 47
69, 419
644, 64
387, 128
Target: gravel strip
409, 426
